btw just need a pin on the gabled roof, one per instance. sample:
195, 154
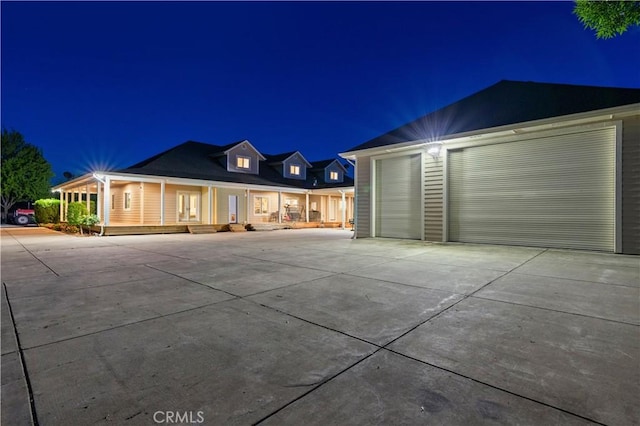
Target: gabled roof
193, 160
198, 160
228, 148
504, 103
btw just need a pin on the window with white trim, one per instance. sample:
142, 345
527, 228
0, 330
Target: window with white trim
127, 201
333, 175
260, 205
294, 170
243, 162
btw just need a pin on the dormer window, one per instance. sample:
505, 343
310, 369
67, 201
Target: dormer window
243, 162
333, 175
294, 170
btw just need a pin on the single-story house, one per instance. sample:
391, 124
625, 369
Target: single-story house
200, 183
518, 163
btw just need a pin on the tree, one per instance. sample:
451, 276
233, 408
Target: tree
25, 173
608, 18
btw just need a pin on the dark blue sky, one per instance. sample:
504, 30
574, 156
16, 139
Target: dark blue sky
112, 83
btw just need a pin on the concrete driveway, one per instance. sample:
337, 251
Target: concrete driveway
297, 327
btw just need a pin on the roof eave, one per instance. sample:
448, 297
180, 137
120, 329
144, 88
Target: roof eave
612, 113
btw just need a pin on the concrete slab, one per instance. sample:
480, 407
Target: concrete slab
234, 362
375, 311
325, 260
601, 268
113, 257
450, 278
579, 364
578, 297
13, 393
130, 333
501, 258
63, 315
47, 284
253, 276
7, 334
389, 389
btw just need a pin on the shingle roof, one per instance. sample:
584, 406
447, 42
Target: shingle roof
198, 160
506, 102
278, 158
322, 164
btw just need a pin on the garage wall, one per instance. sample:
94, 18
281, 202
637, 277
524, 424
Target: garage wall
363, 195
631, 185
433, 201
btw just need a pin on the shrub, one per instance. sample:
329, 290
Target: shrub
47, 210
75, 212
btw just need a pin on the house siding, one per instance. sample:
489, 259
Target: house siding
433, 198
118, 213
152, 198
223, 205
363, 196
631, 185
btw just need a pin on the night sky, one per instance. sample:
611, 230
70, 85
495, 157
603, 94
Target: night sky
105, 85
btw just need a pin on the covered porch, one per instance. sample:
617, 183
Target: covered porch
128, 203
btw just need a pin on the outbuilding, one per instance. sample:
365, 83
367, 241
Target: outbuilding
518, 163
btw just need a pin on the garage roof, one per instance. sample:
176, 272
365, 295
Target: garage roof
506, 102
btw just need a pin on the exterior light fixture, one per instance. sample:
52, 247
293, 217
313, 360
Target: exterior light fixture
433, 149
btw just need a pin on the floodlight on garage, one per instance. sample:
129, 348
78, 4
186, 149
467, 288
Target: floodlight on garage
433, 149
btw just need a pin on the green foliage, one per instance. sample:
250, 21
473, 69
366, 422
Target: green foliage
25, 172
75, 212
89, 219
608, 18
47, 210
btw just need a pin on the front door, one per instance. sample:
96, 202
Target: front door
188, 207
233, 209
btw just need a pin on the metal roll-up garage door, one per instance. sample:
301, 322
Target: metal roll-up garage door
555, 191
398, 197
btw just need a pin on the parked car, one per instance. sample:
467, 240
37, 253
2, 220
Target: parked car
23, 217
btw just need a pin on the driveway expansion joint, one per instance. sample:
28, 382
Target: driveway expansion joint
23, 365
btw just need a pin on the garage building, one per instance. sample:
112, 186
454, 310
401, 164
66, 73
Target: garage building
518, 163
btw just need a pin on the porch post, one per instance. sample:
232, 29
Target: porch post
141, 192
162, 189
107, 200
306, 207
210, 205
61, 205
344, 209
279, 206
248, 202
215, 206
88, 199
66, 204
